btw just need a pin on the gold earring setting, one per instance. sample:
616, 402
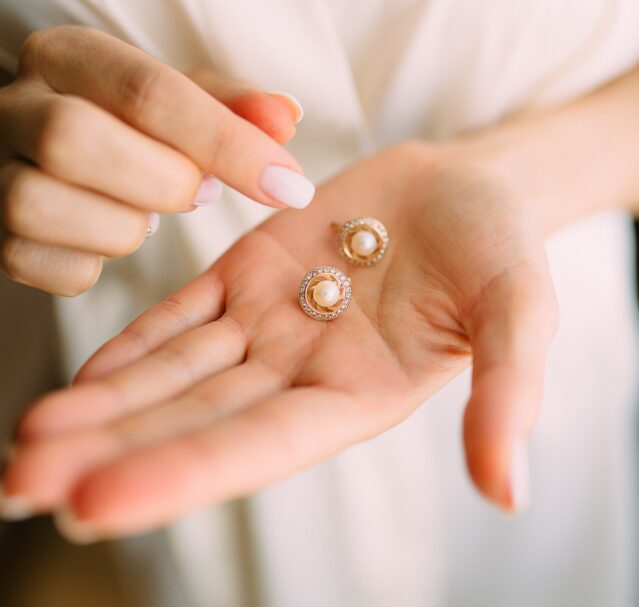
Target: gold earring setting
363, 241
325, 293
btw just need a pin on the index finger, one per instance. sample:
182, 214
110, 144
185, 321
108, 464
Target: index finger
168, 106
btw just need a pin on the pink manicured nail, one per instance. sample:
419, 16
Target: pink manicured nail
287, 186
294, 103
154, 224
519, 477
209, 192
72, 529
15, 507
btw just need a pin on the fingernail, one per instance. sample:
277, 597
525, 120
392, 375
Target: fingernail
15, 507
293, 102
519, 477
72, 529
154, 224
209, 192
287, 186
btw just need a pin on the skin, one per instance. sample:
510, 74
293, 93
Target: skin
95, 134
227, 386
237, 374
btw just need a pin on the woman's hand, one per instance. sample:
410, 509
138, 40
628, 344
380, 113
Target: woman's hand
95, 135
228, 386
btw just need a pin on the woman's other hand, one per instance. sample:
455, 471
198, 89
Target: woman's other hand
96, 138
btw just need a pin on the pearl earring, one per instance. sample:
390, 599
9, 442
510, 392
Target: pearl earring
363, 241
325, 293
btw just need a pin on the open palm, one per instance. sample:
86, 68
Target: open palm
228, 386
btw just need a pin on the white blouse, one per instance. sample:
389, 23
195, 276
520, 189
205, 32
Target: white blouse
395, 521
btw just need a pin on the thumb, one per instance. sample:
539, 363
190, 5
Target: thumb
275, 113
510, 331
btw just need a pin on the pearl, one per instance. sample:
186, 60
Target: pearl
326, 293
363, 243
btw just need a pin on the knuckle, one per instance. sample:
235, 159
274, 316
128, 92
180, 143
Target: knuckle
35, 423
21, 202
10, 258
173, 311
179, 187
58, 132
135, 338
144, 94
180, 360
221, 141
131, 235
33, 48
47, 43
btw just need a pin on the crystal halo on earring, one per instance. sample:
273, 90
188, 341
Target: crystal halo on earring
325, 293
363, 241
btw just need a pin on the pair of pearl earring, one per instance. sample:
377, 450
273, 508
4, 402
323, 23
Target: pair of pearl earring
326, 292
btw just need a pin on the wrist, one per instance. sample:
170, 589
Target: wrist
559, 186
498, 158
568, 161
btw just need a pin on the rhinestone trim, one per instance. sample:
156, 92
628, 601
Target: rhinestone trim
341, 278
373, 225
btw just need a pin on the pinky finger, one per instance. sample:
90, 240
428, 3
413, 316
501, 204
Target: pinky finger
510, 338
55, 269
